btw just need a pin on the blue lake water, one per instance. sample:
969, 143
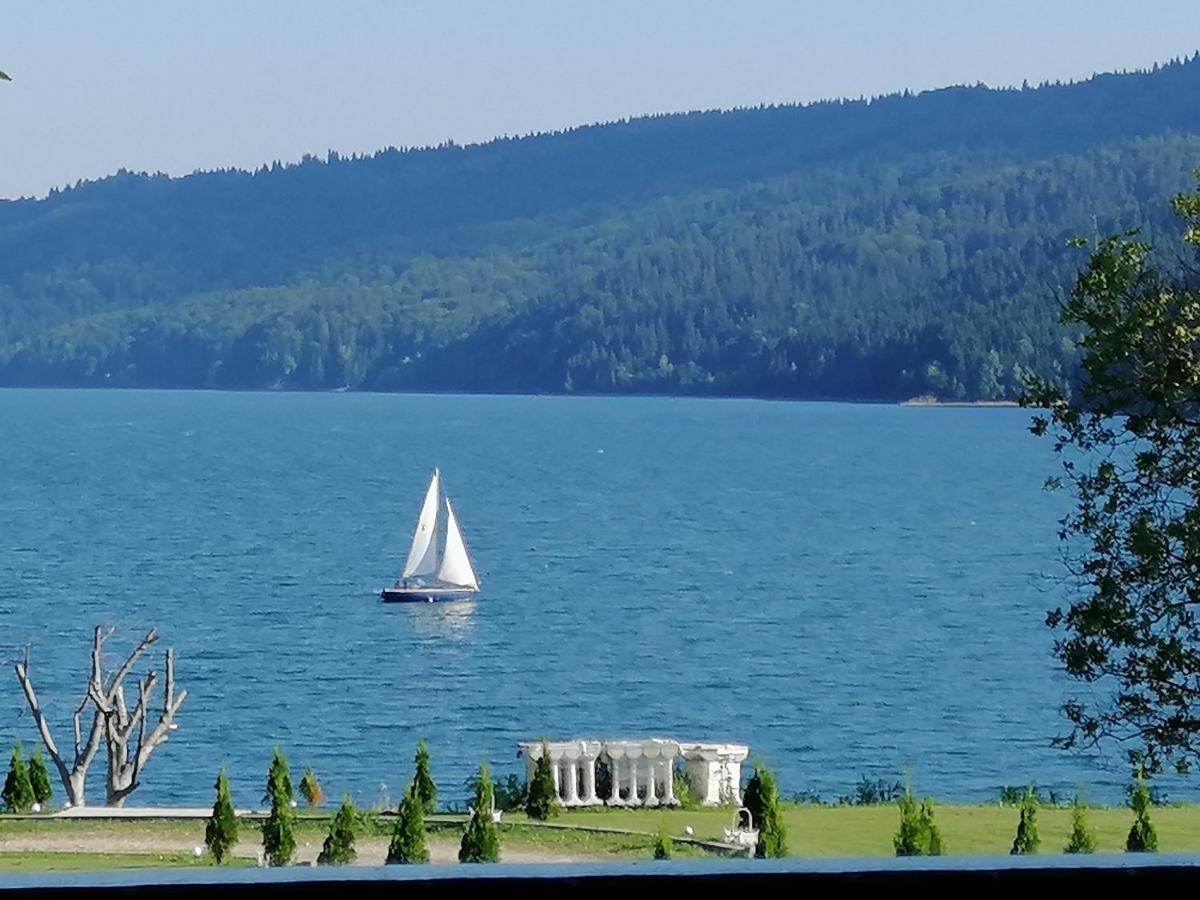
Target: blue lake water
850, 590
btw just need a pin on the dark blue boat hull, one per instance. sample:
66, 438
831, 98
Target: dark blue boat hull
424, 595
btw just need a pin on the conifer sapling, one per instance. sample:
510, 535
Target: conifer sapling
542, 801
279, 830
221, 832
481, 840
1083, 839
1142, 836
408, 845
1027, 839
18, 792
39, 778
338, 849
426, 789
762, 799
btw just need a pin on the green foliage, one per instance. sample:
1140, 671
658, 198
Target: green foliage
873, 792
664, 847
1142, 836
481, 840
338, 849
542, 802
279, 828
918, 834
1083, 838
1027, 840
682, 789
1129, 439
18, 792
221, 832
847, 249
423, 780
310, 789
39, 778
762, 799
408, 844
511, 793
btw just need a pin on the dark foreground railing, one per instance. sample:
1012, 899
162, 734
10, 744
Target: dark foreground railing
1137, 874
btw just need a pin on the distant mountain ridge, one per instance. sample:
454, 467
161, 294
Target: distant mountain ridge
854, 249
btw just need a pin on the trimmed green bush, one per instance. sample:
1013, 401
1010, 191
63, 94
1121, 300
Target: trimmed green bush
663, 846
1142, 836
221, 832
918, 835
1083, 839
426, 788
39, 778
338, 849
408, 845
543, 799
18, 792
481, 840
279, 829
762, 799
1027, 839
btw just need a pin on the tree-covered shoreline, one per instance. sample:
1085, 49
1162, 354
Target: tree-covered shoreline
854, 250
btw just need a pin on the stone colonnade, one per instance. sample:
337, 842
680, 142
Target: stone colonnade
641, 772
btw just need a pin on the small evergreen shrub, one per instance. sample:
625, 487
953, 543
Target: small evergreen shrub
1142, 836
663, 846
408, 845
18, 792
481, 840
338, 849
310, 789
542, 800
1083, 839
762, 799
221, 832
426, 788
279, 828
918, 835
1027, 839
39, 778
511, 793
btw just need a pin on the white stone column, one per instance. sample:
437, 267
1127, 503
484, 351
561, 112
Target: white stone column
651, 778
557, 787
589, 781
668, 768
572, 773
633, 781
614, 771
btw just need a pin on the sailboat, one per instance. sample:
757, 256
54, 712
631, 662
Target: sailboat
449, 567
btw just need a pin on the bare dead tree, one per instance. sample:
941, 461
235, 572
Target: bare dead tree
113, 722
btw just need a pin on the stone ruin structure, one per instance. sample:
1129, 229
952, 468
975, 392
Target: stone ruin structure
639, 772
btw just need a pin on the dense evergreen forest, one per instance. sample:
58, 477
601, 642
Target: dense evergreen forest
870, 249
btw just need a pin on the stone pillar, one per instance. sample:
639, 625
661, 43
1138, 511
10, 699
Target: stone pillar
668, 768
614, 770
572, 774
633, 781
652, 777
589, 781
557, 787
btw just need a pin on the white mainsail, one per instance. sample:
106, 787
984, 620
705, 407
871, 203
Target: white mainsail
422, 556
456, 565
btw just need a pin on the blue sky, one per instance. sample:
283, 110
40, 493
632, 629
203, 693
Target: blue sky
176, 86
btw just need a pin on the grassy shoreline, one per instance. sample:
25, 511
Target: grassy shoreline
818, 832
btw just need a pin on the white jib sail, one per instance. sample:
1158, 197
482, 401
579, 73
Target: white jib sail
422, 556
456, 565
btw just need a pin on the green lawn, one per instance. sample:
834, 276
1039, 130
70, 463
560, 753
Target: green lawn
813, 831
832, 831
100, 862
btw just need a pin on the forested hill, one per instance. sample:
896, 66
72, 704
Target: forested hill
853, 249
